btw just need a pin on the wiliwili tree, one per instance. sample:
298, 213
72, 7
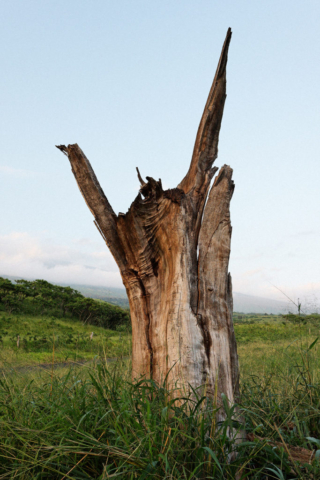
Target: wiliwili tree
172, 248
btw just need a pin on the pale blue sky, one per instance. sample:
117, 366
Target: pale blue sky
127, 81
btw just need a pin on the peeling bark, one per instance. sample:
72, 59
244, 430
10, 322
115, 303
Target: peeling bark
180, 302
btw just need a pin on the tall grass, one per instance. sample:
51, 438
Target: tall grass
94, 423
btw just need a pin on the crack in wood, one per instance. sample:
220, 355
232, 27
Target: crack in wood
148, 323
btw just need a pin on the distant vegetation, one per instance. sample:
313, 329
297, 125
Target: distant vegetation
27, 340
45, 323
40, 297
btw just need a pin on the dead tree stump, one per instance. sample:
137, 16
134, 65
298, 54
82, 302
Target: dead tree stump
172, 248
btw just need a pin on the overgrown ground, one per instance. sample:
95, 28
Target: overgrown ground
91, 422
33, 339
45, 323
268, 344
47, 338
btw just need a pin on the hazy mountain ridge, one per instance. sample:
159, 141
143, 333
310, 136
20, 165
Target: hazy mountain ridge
117, 296
252, 304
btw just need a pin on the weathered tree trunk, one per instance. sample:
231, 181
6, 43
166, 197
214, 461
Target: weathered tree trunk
172, 249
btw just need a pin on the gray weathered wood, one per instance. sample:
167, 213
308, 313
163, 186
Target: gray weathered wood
172, 249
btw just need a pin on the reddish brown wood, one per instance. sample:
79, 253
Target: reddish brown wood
172, 249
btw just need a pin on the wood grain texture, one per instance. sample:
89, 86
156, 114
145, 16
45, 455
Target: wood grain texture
172, 249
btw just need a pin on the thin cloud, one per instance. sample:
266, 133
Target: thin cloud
306, 233
16, 172
91, 263
22, 254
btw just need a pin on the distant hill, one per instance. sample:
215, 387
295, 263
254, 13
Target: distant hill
241, 302
252, 304
115, 296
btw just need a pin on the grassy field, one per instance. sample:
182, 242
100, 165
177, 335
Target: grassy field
47, 339
91, 422
43, 339
269, 344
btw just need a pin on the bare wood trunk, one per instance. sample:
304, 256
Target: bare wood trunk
172, 249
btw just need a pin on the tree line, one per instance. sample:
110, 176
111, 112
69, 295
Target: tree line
43, 298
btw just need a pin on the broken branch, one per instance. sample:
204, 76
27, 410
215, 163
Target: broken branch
206, 145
